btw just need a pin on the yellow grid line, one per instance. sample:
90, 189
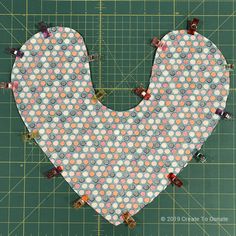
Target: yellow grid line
217, 29
186, 212
204, 209
11, 36
37, 207
13, 15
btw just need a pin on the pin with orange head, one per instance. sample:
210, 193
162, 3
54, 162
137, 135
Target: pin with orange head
129, 220
81, 202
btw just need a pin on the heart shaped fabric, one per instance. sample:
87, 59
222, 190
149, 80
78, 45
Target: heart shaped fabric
121, 159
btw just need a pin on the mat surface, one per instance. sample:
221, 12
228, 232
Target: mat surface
120, 159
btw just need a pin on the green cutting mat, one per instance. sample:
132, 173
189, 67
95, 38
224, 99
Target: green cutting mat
120, 31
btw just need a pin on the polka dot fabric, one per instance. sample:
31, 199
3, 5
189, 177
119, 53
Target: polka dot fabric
121, 159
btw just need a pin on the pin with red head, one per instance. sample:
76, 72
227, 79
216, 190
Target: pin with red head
54, 172
9, 85
141, 92
157, 43
174, 180
229, 67
192, 26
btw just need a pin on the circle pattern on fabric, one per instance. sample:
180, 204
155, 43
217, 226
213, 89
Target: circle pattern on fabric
120, 159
